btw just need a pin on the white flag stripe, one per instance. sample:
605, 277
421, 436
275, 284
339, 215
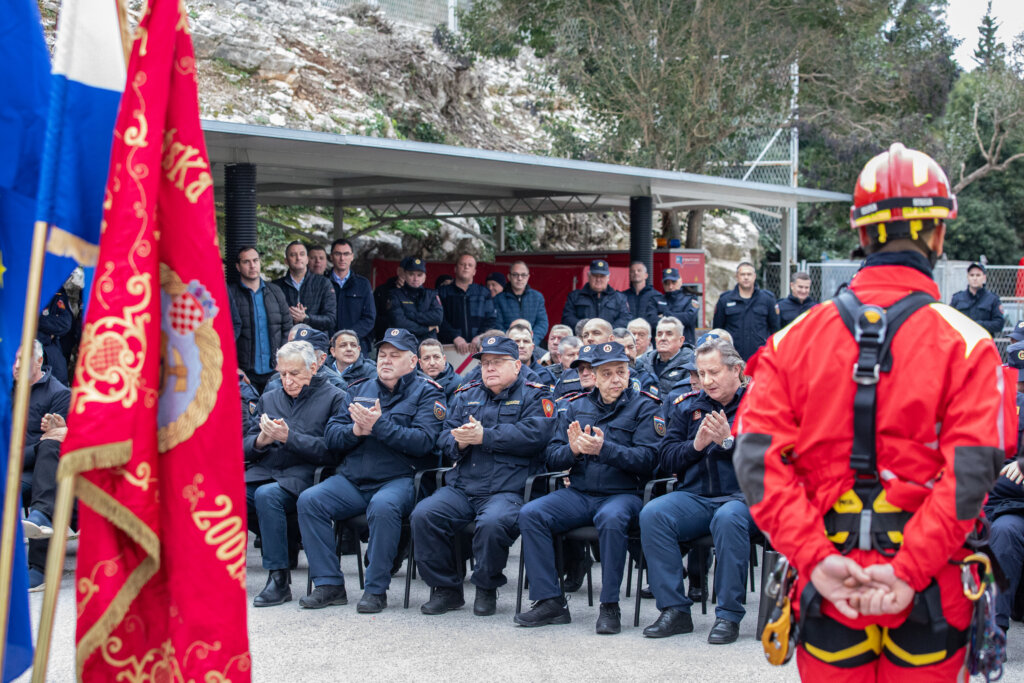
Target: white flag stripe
89, 44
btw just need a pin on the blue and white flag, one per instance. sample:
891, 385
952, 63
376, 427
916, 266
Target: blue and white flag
85, 92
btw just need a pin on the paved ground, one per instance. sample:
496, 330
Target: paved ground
292, 644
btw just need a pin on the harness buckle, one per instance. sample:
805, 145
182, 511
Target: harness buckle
865, 376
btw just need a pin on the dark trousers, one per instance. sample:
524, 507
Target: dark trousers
566, 509
273, 506
436, 522
338, 498
1007, 543
43, 494
680, 516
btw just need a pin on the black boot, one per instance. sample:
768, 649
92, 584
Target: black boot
609, 620
276, 591
486, 602
443, 599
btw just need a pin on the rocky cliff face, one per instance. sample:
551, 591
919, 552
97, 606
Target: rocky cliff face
307, 65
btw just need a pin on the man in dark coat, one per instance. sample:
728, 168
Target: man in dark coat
596, 300
54, 322
412, 306
747, 312
348, 359
977, 303
468, 308
310, 297
798, 301
354, 297
259, 314
644, 300
433, 364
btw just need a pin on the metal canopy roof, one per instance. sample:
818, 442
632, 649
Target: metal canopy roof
403, 179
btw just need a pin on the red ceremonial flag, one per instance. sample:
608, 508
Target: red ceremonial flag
153, 432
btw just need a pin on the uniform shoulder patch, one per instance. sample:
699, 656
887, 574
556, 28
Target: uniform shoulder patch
464, 387
651, 396
432, 382
537, 385
439, 410
577, 396
683, 397
659, 425
549, 406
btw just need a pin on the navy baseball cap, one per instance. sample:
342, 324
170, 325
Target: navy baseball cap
498, 346
979, 266
609, 352
317, 338
706, 337
412, 263
403, 340
669, 275
599, 267
1015, 358
1017, 333
586, 356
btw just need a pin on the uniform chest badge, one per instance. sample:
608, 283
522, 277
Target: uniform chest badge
696, 415
659, 425
549, 407
439, 410
252, 407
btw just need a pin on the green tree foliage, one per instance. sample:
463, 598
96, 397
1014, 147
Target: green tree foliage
990, 52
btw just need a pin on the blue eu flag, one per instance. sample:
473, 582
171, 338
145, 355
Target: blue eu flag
24, 97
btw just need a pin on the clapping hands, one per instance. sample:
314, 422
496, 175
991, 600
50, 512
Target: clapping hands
271, 429
364, 418
585, 441
469, 434
714, 428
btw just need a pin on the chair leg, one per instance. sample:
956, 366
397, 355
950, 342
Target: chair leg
590, 588
639, 587
409, 563
560, 563
629, 573
519, 582
753, 563
359, 563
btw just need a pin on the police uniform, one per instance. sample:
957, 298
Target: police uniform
707, 500
609, 305
54, 322
1005, 505
790, 308
448, 379
983, 307
486, 483
680, 304
604, 490
671, 374
648, 303
375, 475
467, 313
749, 321
249, 399
415, 309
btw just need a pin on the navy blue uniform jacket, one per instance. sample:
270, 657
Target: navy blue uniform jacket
983, 308
586, 303
466, 313
749, 321
403, 437
517, 427
416, 310
791, 307
356, 310
686, 307
648, 304
708, 473
633, 427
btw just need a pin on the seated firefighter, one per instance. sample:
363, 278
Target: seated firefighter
608, 440
283, 448
496, 433
708, 500
386, 432
45, 430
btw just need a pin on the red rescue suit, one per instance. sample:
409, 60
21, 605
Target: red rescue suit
940, 440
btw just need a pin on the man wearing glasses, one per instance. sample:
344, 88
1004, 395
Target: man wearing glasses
356, 310
520, 301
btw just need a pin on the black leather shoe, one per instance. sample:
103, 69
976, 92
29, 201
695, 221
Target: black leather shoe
577, 574
646, 594
486, 602
322, 596
276, 591
670, 622
609, 620
723, 632
544, 612
371, 603
442, 600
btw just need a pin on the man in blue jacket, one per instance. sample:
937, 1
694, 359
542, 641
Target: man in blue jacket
596, 300
519, 300
386, 433
348, 358
353, 295
747, 312
412, 306
680, 304
496, 433
608, 440
310, 298
468, 308
698, 450
644, 300
977, 303
798, 301
283, 447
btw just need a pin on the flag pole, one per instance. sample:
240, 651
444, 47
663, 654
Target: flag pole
12, 492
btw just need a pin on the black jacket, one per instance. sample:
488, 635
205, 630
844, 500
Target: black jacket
790, 308
466, 313
292, 464
317, 296
647, 304
381, 296
364, 368
684, 306
54, 322
983, 308
586, 303
749, 321
355, 307
47, 395
632, 426
671, 375
279, 322
517, 427
416, 310
448, 379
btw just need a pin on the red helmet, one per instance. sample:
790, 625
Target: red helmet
901, 185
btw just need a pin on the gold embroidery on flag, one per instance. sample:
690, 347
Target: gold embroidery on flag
142, 478
179, 159
223, 530
88, 587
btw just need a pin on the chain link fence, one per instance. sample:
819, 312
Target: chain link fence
425, 14
827, 278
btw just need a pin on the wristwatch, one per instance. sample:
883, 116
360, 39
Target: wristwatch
727, 442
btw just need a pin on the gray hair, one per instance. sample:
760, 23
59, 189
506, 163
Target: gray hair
672, 321
640, 323
623, 333
37, 349
302, 350
730, 356
569, 343
565, 330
